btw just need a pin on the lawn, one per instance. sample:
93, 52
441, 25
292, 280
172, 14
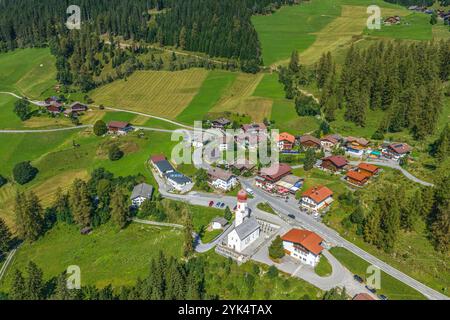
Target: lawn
159, 93
323, 268
27, 72
209, 94
390, 287
264, 206
105, 256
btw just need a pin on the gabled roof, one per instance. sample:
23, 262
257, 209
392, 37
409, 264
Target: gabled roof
254, 127
275, 171
318, 194
307, 239
157, 158
368, 167
78, 106
363, 296
330, 138
218, 173
360, 141
286, 137
118, 124
357, 176
221, 220
307, 137
400, 148
246, 228
177, 177
142, 190
164, 166
338, 161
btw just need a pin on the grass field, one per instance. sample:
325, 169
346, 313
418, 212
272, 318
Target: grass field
215, 84
28, 72
105, 256
160, 93
323, 268
391, 287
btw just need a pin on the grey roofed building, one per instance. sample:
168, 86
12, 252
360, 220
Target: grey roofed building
221, 220
177, 177
247, 227
164, 166
142, 190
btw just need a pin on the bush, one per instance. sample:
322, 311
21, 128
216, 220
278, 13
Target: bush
3, 181
115, 153
22, 109
100, 128
276, 250
272, 272
24, 172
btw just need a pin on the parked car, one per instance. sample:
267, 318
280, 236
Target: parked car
249, 191
373, 290
211, 203
382, 297
222, 205
358, 278
291, 216
218, 204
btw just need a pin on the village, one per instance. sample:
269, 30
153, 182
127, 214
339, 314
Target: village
241, 185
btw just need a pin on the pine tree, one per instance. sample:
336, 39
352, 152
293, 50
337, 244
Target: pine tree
119, 208
188, 231
34, 284
61, 291
62, 207
18, 291
80, 203
29, 216
440, 216
294, 64
310, 159
441, 147
5, 238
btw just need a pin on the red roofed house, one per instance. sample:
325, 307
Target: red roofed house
358, 178
334, 163
119, 127
303, 245
309, 141
54, 109
368, 168
396, 151
285, 141
363, 296
157, 158
316, 198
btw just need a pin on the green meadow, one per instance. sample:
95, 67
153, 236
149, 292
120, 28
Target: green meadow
28, 72
209, 94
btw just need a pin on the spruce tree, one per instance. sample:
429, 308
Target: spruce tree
80, 203
188, 248
18, 289
5, 238
34, 284
119, 208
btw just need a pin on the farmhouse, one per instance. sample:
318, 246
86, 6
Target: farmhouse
357, 178
334, 163
368, 168
303, 245
355, 146
54, 109
329, 142
309, 141
254, 128
247, 229
177, 180
119, 127
285, 141
221, 179
396, 150
220, 123
392, 20
140, 193
316, 199
78, 107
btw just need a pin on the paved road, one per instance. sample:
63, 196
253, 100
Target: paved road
333, 237
395, 165
7, 262
47, 130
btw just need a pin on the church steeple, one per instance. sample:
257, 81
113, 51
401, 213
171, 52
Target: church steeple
241, 208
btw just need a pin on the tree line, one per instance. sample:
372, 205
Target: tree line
168, 278
403, 80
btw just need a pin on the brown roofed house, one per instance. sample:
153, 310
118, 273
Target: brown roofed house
334, 163
310, 141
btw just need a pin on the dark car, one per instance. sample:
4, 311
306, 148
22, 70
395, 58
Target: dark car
382, 297
222, 205
373, 290
291, 216
211, 203
358, 278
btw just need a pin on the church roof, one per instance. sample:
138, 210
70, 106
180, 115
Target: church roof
247, 227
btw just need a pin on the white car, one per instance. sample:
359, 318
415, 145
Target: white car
249, 191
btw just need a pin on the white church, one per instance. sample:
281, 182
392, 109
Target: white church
246, 229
